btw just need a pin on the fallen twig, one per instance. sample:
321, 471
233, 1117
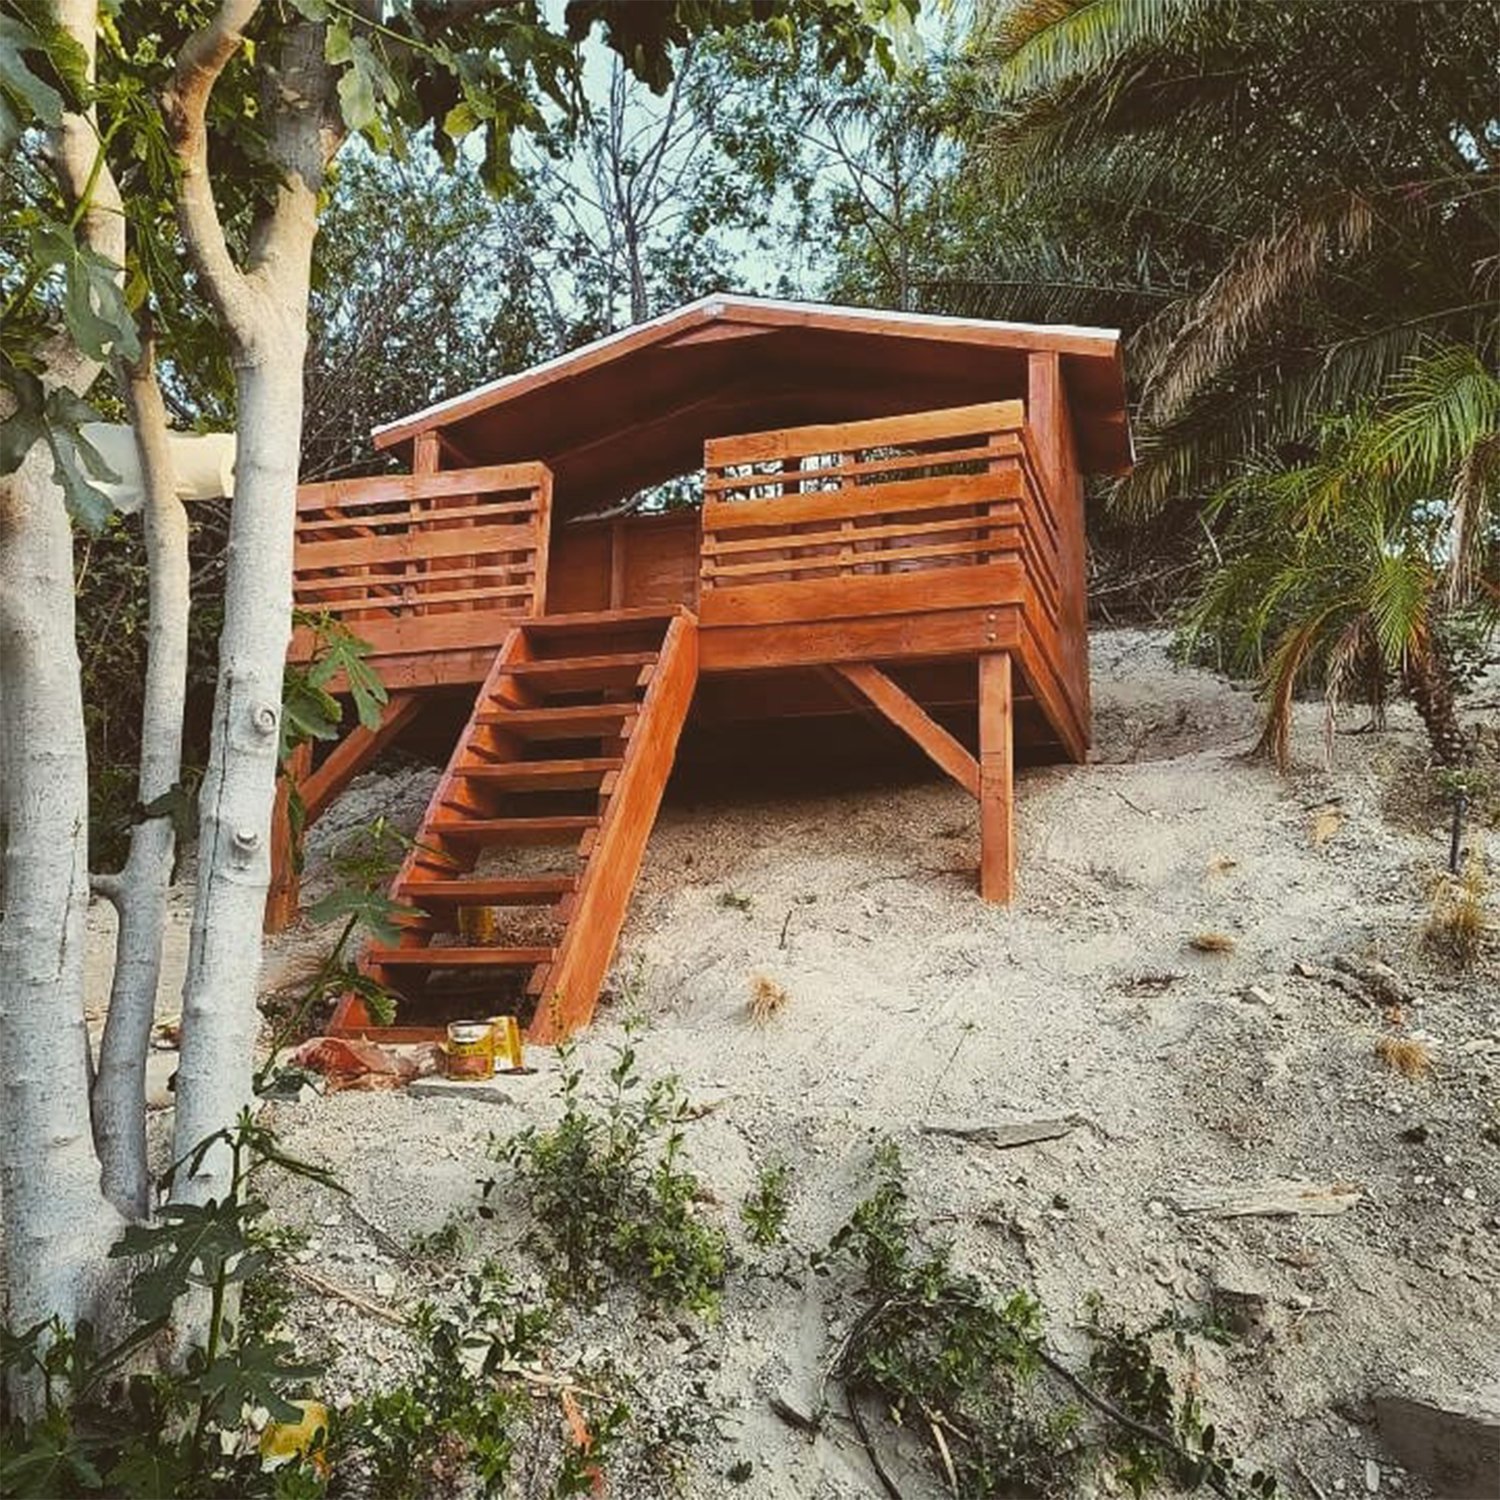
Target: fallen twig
327, 1288
882, 1473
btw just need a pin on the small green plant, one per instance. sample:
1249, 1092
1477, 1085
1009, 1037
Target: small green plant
609, 1191
764, 1211
107, 1427
461, 1420
733, 901
970, 1371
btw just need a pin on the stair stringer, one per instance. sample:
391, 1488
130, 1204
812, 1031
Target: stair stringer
568, 988
428, 850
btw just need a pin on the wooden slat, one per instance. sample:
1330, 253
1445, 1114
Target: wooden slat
583, 955
978, 450
1006, 514
914, 721
415, 546
535, 890
518, 831
998, 582
378, 523
457, 958
835, 437
377, 489
884, 557
573, 721
863, 500
543, 775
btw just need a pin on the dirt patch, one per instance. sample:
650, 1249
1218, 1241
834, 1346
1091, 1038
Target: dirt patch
908, 999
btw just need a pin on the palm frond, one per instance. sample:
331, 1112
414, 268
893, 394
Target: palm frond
1193, 343
1042, 44
1476, 503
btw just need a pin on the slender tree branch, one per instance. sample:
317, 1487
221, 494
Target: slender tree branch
203, 58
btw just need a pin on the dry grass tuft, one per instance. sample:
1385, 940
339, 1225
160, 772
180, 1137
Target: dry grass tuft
1221, 864
766, 999
1405, 1055
1327, 823
1212, 942
1459, 924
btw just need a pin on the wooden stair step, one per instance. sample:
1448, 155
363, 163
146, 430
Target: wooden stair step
606, 620
571, 721
534, 890
576, 674
458, 958
519, 831
544, 775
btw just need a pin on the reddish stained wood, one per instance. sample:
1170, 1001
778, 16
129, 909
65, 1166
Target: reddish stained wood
383, 489
838, 437
282, 896
913, 720
598, 913
354, 752
1005, 514
867, 500
850, 558
913, 593
792, 643
996, 778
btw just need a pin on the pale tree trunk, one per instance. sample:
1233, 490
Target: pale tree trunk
58, 1225
139, 891
265, 312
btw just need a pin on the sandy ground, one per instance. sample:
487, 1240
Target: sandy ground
910, 1000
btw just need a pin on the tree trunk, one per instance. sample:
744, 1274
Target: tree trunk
58, 1225
140, 891
219, 1015
1431, 690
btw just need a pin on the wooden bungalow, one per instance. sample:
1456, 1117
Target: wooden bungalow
884, 516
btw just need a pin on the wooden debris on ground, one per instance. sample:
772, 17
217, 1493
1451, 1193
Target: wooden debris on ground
1003, 1134
1274, 1198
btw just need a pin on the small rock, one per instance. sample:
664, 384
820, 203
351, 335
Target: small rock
1468, 1195
1372, 1476
384, 1283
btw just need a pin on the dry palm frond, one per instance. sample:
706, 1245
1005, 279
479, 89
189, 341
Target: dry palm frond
1283, 672
1188, 346
1459, 924
1476, 494
1349, 661
1212, 942
1405, 1055
767, 998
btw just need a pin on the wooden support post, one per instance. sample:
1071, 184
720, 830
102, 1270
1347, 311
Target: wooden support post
281, 898
997, 844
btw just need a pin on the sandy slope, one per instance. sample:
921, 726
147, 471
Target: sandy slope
910, 1000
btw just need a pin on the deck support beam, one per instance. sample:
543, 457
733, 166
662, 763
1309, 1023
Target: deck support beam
997, 844
318, 789
913, 720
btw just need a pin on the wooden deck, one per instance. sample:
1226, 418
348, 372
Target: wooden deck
899, 566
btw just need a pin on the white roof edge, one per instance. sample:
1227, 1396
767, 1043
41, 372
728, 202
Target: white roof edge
716, 301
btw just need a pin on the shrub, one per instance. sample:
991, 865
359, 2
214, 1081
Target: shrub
610, 1194
764, 1211
969, 1371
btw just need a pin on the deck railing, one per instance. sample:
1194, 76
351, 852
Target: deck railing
420, 561
828, 520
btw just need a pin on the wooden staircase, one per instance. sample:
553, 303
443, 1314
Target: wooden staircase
525, 860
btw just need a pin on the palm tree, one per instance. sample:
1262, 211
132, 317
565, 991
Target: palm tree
1315, 187
1360, 565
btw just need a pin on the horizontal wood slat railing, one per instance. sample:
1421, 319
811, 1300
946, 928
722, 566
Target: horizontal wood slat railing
393, 554
806, 511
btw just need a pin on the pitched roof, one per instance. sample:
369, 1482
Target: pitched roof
634, 408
